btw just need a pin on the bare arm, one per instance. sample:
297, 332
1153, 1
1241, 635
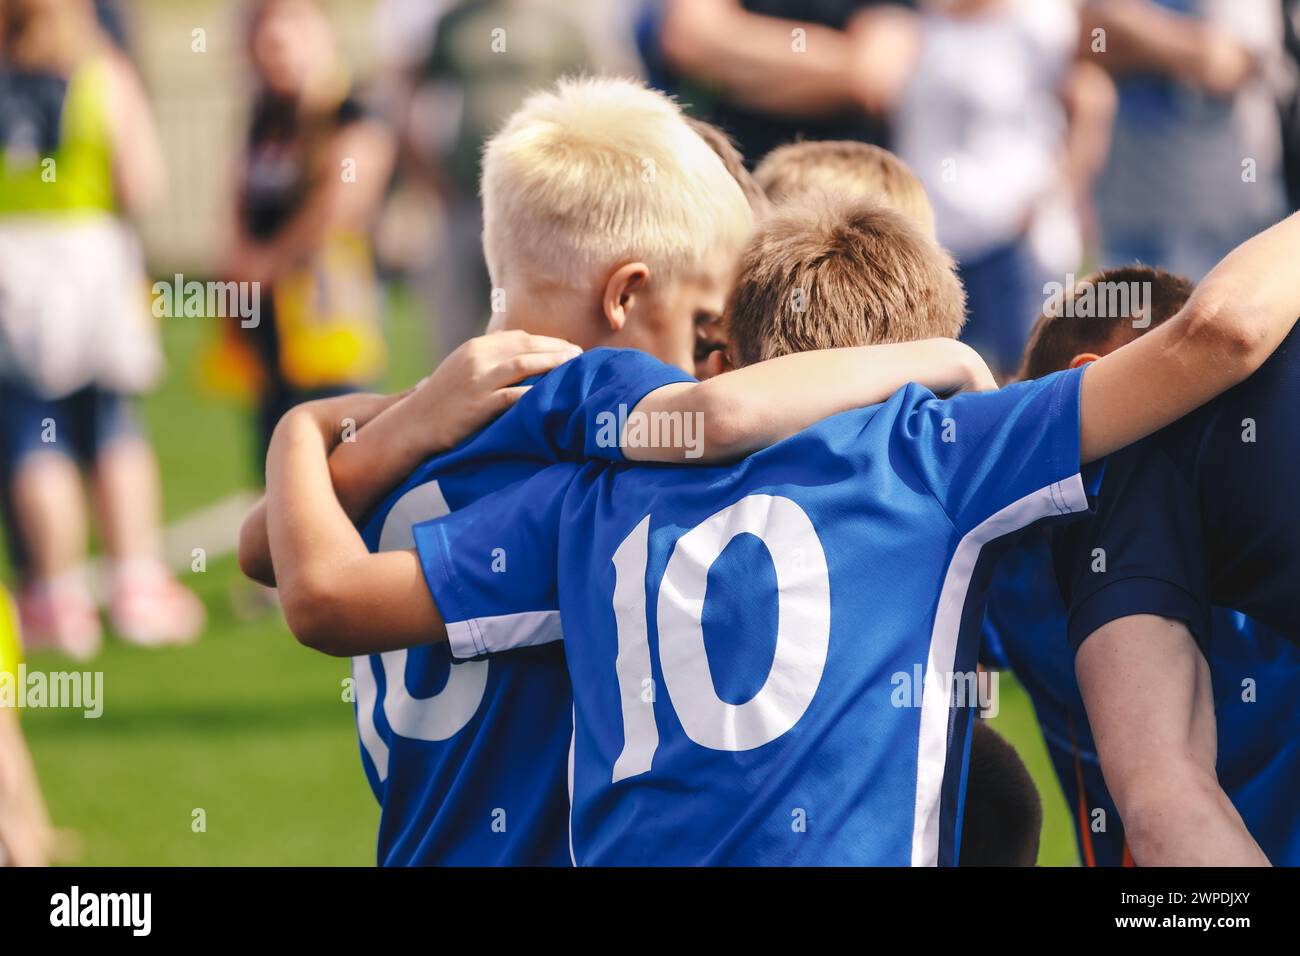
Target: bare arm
470, 388
886, 45
1090, 102
392, 434
1143, 37
26, 836
756, 61
139, 174
254, 548
1147, 689
759, 405
336, 202
337, 597
1232, 323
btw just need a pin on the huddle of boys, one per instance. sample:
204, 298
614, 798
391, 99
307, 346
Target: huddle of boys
571, 649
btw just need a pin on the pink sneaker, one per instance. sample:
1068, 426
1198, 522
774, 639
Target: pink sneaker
60, 615
150, 608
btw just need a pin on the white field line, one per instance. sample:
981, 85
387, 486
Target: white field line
214, 528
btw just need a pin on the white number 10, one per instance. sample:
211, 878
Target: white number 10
802, 632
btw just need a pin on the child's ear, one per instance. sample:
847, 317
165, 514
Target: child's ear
621, 289
1083, 358
717, 362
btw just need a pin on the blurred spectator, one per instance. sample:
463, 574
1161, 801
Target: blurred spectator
1291, 103
111, 21
1195, 166
78, 149
26, 837
316, 168
404, 31
767, 72
486, 56
994, 116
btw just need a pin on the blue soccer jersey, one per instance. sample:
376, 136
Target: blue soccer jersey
469, 759
1259, 746
772, 662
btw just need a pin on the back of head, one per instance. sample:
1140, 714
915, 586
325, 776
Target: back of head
598, 172
828, 271
731, 157
859, 170
1099, 313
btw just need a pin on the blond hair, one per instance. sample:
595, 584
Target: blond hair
597, 172
859, 170
827, 271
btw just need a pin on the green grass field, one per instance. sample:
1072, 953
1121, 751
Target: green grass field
246, 725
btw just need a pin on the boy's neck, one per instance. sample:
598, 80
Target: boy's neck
560, 312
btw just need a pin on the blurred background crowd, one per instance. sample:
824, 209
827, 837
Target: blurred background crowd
329, 151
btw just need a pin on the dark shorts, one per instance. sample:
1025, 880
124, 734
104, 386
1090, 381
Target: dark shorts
79, 425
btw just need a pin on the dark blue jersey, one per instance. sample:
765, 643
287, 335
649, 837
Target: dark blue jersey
1259, 747
1200, 514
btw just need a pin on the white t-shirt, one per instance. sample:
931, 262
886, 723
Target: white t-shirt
981, 121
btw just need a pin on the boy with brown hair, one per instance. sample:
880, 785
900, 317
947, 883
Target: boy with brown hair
1025, 623
1099, 313
863, 543
832, 272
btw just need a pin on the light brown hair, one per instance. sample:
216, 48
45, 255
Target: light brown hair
731, 157
856, 169
831, 272
1062, 332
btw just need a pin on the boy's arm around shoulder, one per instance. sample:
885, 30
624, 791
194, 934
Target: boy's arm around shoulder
338, 598
393, 434
761, 404
1232, 323
254, 547
471, 387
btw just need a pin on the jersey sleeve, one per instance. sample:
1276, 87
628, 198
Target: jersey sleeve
576, 411
1013, 453
1141, 553
492, 566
